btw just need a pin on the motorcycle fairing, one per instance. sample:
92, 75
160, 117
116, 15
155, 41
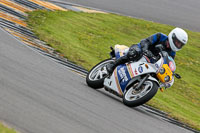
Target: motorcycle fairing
125, 72
168, 72
112, 83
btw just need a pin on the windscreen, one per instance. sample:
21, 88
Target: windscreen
171, 64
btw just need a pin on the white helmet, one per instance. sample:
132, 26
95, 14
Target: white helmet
177, 39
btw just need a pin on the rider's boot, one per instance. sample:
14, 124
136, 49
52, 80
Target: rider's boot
110, 67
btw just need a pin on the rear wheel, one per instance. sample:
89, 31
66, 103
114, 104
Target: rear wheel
97, 74
133, 97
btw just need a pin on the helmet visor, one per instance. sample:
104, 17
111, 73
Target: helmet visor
177, 42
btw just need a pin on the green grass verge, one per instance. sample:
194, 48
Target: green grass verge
85, 38
4, 129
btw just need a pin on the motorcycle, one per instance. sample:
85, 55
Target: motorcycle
135, 82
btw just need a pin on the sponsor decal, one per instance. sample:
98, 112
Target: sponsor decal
171, 66
136, 73
140, 69
156, 65
122, 74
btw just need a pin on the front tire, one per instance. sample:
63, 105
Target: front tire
97, 74
133, 98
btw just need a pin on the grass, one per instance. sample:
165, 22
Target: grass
4, 129
85, 38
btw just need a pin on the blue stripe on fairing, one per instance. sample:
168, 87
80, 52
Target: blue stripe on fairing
123, 83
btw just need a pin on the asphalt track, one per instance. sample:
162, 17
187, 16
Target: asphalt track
39, 95
181, 13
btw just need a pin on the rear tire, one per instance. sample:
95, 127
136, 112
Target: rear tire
97, 74
133, 98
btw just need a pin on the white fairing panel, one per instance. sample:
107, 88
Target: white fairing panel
134, 69
111, 83
143, 67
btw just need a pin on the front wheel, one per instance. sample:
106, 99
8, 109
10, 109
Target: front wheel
133, 97
97, 74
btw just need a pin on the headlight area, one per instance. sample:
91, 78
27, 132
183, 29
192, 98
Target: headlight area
162, 70
167, 78
165, 74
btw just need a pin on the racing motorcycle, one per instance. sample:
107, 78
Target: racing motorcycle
135, 82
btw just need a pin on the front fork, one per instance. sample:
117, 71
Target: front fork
142, 81
150, 78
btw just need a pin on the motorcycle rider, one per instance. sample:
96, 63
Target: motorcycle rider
176, 39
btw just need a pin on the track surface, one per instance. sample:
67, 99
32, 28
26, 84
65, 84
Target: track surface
181, 13
39, 95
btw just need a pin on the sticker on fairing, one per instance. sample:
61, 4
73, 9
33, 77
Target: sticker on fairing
156, 65
123, 76
136, 73
140, 69
171, 66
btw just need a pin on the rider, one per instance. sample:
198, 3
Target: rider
176, 39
